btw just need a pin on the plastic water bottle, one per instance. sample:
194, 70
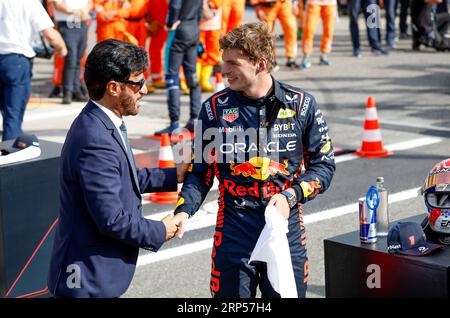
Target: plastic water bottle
382, 210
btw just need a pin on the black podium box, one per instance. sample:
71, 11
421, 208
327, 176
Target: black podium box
354, 269
29, 200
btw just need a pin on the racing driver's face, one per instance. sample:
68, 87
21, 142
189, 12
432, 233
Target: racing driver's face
240, 72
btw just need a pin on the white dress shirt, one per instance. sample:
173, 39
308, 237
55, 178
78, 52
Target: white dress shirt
20, 24
71, 4
117, 121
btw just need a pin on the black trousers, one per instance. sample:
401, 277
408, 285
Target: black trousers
75, 37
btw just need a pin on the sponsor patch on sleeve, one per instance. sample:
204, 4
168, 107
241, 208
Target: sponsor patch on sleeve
180, 202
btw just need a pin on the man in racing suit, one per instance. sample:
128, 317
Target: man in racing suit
184, 19
264, 132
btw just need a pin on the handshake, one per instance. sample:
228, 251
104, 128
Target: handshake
175, 224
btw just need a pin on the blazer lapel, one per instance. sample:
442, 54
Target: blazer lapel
96, 111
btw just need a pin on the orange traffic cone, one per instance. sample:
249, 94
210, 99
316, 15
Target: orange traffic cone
219, 82
372, 146
165, 161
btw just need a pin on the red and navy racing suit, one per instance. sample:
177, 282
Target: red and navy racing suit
297, 137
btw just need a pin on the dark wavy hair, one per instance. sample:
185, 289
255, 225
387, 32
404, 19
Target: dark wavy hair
112, 60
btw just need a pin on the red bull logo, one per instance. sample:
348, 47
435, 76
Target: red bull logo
246, 169
259, 168
267, 189
310, 187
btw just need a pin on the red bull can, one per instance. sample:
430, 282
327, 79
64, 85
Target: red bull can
367, 223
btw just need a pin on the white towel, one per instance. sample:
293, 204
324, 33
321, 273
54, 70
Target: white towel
272, 247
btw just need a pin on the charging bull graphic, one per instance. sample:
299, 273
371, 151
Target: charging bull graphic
310, 188
259, 168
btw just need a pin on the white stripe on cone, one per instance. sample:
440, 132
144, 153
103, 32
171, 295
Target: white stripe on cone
165, 154
371, 113
372, 135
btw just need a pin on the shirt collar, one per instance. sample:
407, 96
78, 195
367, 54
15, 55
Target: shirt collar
117, 121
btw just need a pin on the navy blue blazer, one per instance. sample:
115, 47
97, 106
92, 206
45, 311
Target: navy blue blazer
101, 226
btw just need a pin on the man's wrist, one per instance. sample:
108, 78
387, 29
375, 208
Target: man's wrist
188, 215
298, 192
291, 197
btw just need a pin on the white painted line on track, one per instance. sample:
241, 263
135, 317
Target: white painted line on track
200, 220
351, 208
404, 145
308, 219
415, 143
411, 125
54, 114
173, 252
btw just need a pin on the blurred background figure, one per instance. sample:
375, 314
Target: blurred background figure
184, 21
373, 30
389, 7
429, 27
300, 15
210, 28
20, 23
403, 18
72, 17
111, 23
232, 14
156, 20
136, 25
136, 21
268, 11
325, 10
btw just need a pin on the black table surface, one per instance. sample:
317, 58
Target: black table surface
441, 256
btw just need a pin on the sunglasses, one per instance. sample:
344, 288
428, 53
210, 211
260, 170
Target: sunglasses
140, 83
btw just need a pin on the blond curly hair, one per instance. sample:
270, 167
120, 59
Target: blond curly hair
253, 40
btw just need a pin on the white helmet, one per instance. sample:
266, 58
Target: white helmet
436, 192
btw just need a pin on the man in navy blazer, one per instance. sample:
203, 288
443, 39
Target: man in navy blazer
101, 226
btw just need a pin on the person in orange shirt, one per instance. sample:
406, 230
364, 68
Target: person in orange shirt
157, 14
326, 10
232, 13
210, 28
111, 15
270, 10
136, 21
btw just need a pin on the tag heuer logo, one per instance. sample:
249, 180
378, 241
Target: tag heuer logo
230, 114
222, 102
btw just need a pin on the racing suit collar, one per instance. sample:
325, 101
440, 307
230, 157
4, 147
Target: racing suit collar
278, 93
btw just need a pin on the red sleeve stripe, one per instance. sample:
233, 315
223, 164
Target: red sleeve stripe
214, 103
300, 100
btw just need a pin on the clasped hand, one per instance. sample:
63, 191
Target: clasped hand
175, 225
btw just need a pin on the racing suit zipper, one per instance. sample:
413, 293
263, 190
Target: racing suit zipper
262, 143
